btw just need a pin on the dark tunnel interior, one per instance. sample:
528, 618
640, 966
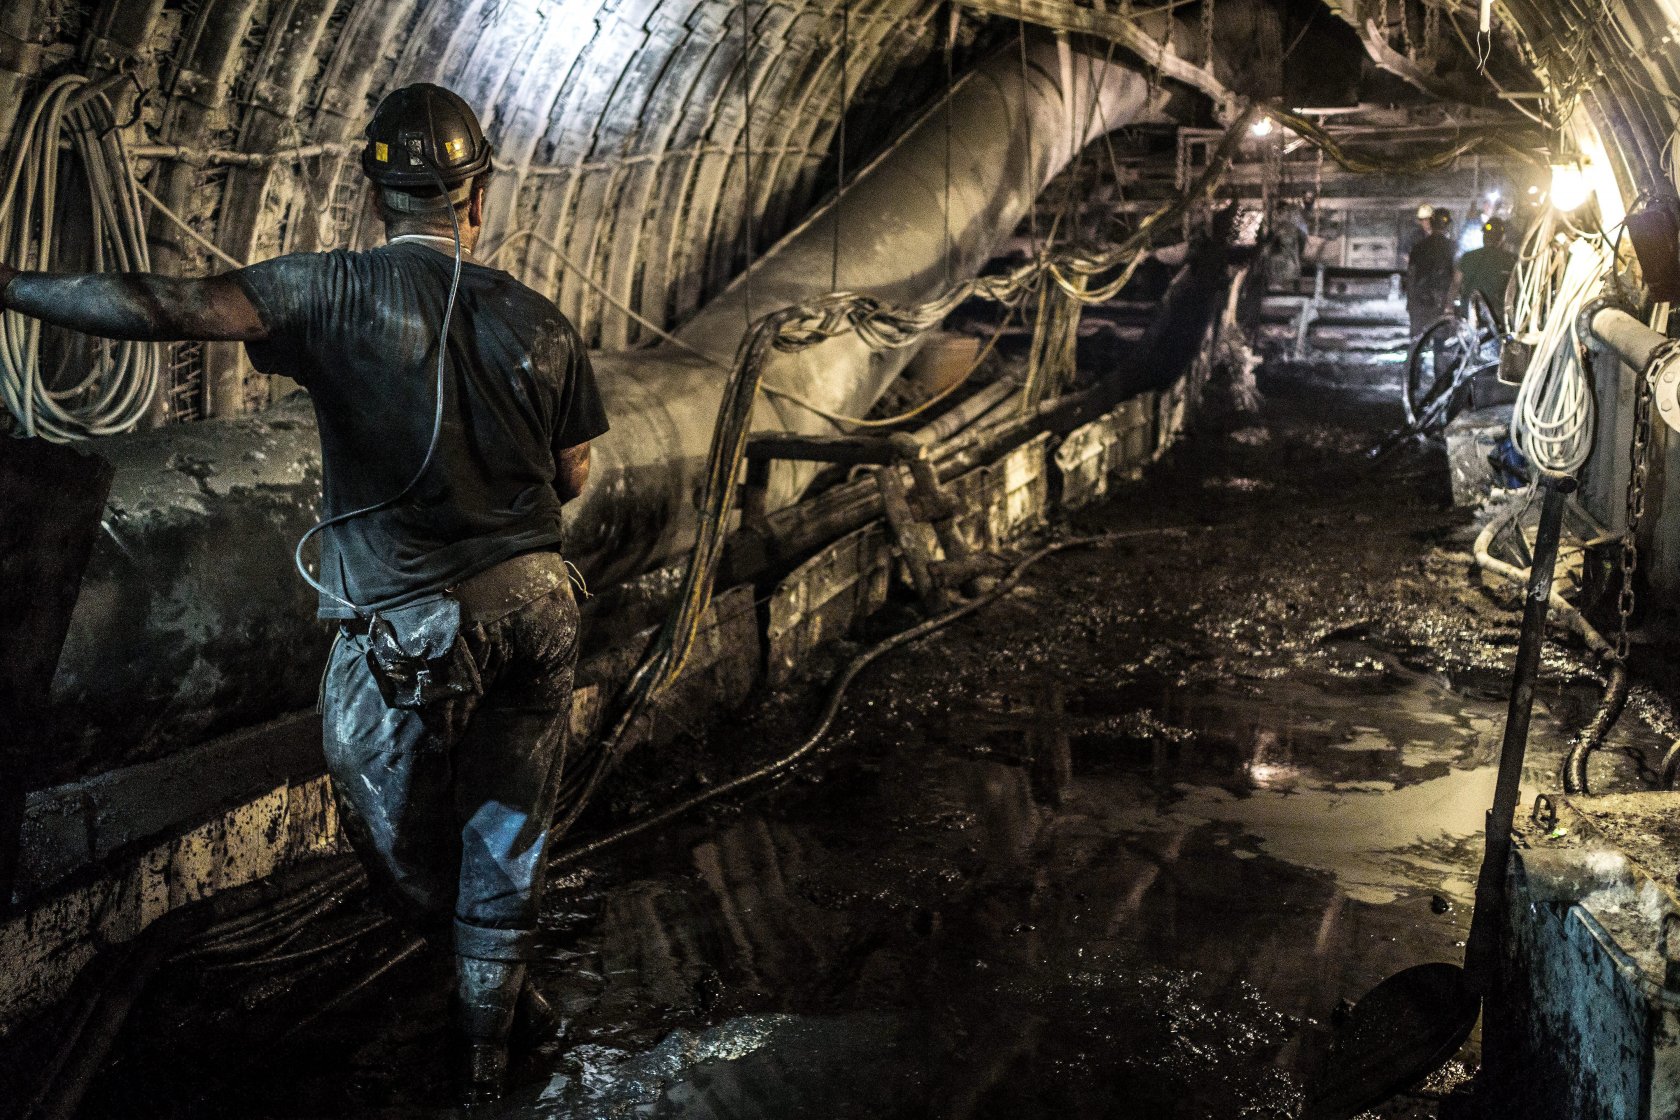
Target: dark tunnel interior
839, 559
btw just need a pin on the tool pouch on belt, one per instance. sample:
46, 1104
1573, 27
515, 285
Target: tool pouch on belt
418, 656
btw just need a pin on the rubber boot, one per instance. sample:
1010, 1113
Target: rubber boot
535, 1019
486, 993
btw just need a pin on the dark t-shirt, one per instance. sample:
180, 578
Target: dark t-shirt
1488, 270
360, 332
1429, 272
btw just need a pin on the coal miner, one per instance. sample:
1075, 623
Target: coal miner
456, 408
1430, 273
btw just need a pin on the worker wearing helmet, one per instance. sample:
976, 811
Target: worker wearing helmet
1417, 231
456, 408
1430, 273
1488, 270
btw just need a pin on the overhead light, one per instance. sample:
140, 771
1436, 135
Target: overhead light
1570, 189
1263, 126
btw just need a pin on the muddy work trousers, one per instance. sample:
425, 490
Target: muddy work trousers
449, 805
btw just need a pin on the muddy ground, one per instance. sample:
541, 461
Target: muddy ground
1115, 846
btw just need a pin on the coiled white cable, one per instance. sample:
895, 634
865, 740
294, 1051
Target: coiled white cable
119, 387
1552, 420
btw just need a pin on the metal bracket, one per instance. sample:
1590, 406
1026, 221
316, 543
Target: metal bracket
1665, 392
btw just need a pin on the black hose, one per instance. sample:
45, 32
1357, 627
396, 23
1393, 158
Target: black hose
837, 692
1592, 736
1671, 765
269, 927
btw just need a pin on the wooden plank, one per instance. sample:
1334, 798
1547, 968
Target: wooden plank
1083, 462
722, 667
69, 827
1026, 486
872, 450
825, 597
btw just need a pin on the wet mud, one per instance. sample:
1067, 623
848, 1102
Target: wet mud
1117, 846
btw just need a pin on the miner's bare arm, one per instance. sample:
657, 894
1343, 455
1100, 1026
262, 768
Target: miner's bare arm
136, 305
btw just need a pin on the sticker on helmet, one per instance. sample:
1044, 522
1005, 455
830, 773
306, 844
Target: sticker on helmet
454, 148
382, 152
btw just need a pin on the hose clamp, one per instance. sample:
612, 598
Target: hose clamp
1589, 311
1663, 371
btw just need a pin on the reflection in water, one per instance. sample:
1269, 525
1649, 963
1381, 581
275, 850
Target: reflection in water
1038, 910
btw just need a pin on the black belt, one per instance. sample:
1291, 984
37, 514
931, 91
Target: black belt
495, 592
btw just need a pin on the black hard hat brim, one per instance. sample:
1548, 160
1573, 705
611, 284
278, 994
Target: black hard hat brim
413, 135
422, 178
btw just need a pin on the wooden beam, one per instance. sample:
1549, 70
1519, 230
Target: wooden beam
871, 450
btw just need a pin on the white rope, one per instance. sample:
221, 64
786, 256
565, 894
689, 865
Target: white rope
119, 387
203, 242
1552, 421
600, 289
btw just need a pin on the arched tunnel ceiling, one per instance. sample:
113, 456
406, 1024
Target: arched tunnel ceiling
1617, 59
621, 125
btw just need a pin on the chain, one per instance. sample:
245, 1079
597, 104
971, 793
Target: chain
1637, 474
1207, 34
1406, 28
1431, 29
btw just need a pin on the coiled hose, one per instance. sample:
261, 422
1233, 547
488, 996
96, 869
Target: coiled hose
118, 388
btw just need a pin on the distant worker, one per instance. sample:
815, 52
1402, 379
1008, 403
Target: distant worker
456, 407
1430, 273
1286, 244
1417, 231
1488, 270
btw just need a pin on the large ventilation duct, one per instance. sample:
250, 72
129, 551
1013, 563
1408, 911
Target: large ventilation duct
190, 620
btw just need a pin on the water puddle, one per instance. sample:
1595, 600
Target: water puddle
1054, 898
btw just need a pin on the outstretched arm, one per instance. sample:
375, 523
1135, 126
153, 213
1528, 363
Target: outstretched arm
136, 305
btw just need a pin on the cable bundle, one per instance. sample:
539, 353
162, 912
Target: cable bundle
1552, 422
118, 389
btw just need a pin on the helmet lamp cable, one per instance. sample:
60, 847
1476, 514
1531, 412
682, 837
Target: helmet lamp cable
437, 419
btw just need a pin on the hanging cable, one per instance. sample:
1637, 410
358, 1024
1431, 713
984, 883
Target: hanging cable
600, 289
122, 382
1552, 420
1026, 164
746, 156
180, 223
950, 81
917, 410
840, 145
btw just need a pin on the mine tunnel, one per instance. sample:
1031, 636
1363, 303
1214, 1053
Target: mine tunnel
839, 559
